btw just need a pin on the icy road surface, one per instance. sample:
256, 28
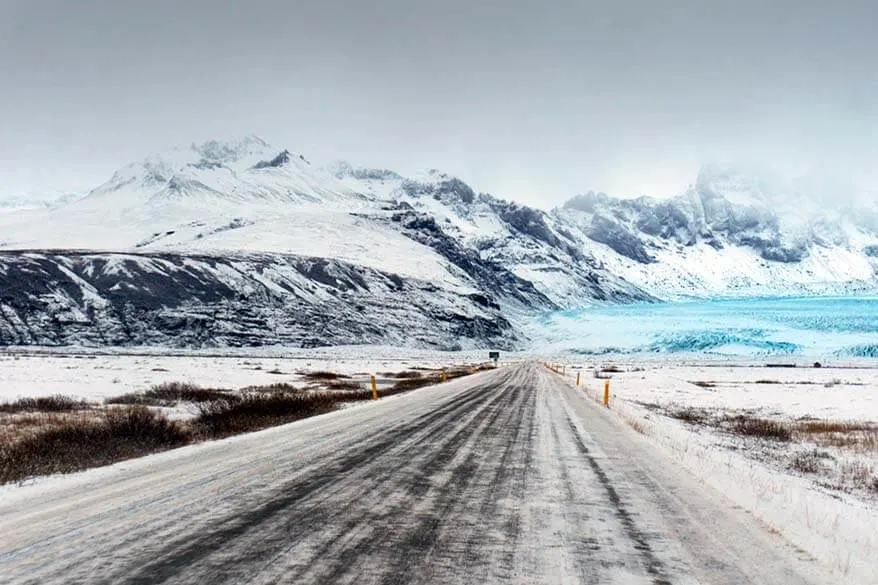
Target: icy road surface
509, 476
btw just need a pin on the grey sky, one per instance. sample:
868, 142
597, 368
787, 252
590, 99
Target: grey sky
533, 101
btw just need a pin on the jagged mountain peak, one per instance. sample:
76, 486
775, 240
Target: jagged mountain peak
232, 150
235, 171
280, 160
441, 186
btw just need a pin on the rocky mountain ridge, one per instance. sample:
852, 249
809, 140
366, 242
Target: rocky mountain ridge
239, 243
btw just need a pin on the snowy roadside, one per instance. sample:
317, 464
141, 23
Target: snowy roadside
95, 374
68, 412
833, 523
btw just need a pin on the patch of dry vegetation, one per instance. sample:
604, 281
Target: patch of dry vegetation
852, 435
56, 403
323, 376
347, 385
76, 443
284, 387
58, 434
695, 416
838, 454
171, 393
763, 428
704, 384
404, 374
254, 411
808, 461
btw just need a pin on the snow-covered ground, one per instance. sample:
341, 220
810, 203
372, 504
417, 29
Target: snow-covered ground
822, 513
794, 393
508, 476
95, 376
829, 515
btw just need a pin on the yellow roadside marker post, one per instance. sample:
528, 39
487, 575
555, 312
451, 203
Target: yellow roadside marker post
607, 393
374, 388
577, 378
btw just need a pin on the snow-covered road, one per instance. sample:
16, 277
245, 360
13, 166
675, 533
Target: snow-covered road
508, 476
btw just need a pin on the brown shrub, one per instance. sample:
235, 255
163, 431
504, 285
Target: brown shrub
831, 426
82, 443
257, 411
403, 374
170, 393
842, 434
283, 387
56, 403
323, 376
807, 461
343, 385
410, 384
859, 474
690, 415
759, 427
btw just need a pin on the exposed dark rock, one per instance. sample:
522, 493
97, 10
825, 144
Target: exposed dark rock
278, 161
63, 298
611, 233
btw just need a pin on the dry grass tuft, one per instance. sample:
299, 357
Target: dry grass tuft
762, 428
255, 411
171, 393
403, 374
79, 443
323, 376
853, 435
703, 384
283, 387
343, 385
409, 384
56, 403
807, 461
859, 474
638, 426
691, 415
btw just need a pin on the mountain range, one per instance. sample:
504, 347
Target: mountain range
239, 243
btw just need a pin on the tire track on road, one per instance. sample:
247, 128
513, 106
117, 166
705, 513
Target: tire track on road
291, 500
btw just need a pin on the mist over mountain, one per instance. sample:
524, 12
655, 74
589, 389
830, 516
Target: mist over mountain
175, 248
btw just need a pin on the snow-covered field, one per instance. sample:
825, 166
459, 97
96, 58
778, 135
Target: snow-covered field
95, 376
820, 490
793, 393
686, 408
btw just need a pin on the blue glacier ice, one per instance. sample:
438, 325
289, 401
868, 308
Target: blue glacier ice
812, 326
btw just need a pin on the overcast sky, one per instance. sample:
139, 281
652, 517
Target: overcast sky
534, 101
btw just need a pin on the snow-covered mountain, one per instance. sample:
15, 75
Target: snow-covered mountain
241, 243
180, 248
728, 235
31, 201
